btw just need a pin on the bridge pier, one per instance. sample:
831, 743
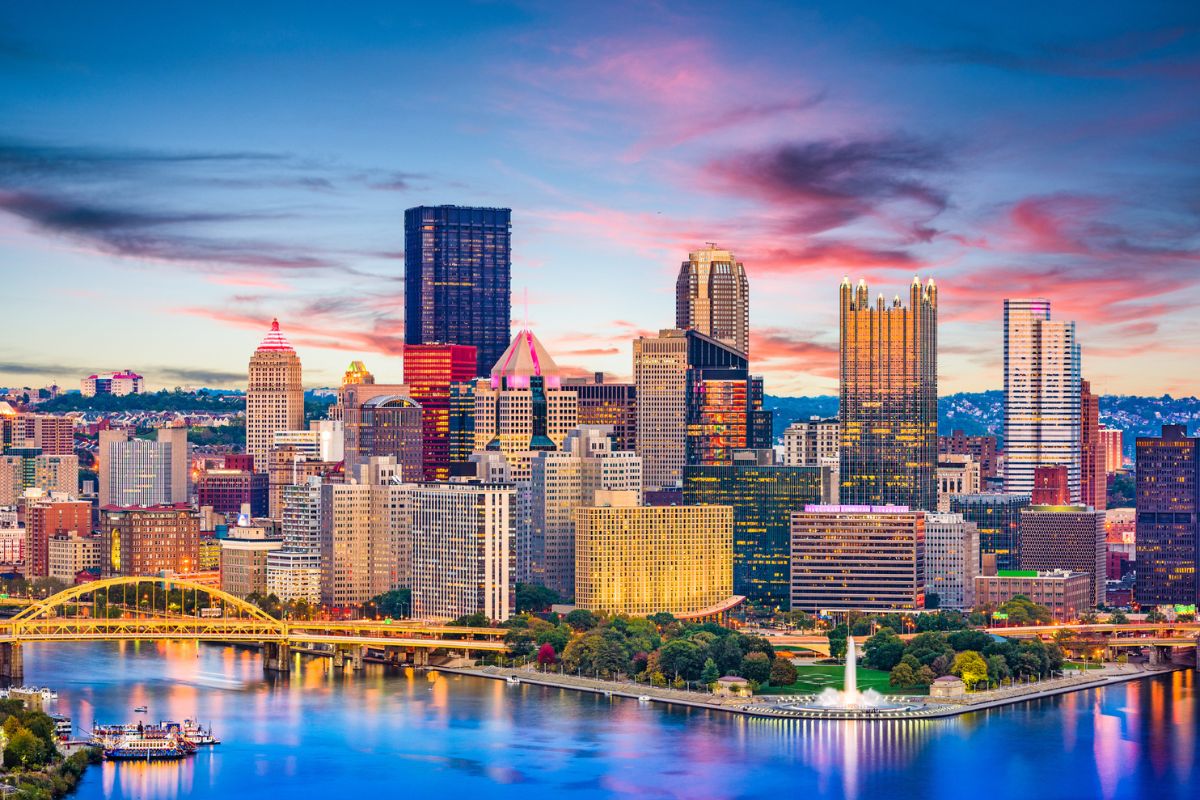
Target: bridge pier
357, 655
12, 662
277, 657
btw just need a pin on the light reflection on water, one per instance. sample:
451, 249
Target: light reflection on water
374, 734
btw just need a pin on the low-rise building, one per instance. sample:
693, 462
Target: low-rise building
1067, 594
72, 553
148, 540
294, 575
951, 560
244, 561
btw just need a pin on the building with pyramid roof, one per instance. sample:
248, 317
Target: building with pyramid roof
274, 394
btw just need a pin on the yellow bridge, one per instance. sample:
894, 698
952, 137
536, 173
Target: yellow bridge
144, 608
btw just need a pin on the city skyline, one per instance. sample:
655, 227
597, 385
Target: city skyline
224, 175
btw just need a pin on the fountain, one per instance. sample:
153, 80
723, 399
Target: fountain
848, 702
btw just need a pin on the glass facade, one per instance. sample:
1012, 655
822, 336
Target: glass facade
889, 398
457, 279
429, 372
763, 499
1168, 517
998, 517
724, 403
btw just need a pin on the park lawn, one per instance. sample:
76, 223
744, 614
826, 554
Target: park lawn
1081, 665
812, 678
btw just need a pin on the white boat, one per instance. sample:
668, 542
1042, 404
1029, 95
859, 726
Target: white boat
644, 699
513, 679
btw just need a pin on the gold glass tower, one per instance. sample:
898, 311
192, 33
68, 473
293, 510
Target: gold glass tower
889, 398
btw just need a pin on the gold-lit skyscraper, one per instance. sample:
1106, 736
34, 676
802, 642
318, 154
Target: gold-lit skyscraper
712, 296
889, 397
274, 395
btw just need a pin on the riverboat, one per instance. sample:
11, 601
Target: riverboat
191, 730
137, 741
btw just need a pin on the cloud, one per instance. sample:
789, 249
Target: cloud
28, 368
792, 350
206, 377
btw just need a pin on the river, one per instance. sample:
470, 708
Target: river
317, 733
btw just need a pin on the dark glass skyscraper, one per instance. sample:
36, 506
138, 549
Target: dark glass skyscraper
1168, 518
724, 403
998, 518
763, 499
457, 279
889, 398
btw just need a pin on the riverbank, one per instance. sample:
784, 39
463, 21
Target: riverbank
776, 706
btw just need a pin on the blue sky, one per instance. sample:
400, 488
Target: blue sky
174, 175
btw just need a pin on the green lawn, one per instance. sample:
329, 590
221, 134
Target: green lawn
812, 678
1081, 665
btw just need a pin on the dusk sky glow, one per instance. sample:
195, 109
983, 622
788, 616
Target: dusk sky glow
174, 176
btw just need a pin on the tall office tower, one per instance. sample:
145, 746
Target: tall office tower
430, 370
274, 395
724, 404
45, 517
1113, 444
141, 472
956, 475
1093, 477
50, 474
1041, 395
998, 518
457, 279
462, 550
981, 448
858, 558
1051, 486
363, 536
660, 373
811, 444
234, 484
150, 540
640, 560
523, 408
357, 374
605, 403
888, 408
712, 296
951, 560
763, 497
1066, 537
392, 426
1168, 518
562, 481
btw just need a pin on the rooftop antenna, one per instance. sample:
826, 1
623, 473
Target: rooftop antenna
525, 298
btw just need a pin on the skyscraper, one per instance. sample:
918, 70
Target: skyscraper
1168, 517
660, 365
712, 296
391, 426
603, 402
430, 370
1066, 537
1093, 477
888, 393
274, 395
998, 518
457, 279
523, 408
724, 403
1042, 391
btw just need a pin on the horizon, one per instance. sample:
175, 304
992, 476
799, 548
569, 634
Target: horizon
170, 180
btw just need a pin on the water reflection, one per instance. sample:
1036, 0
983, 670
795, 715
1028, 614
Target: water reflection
323, 732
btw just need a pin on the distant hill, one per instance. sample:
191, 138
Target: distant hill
983, 412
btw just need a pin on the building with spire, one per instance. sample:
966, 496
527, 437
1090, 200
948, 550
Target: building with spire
274, 395
712, 296
522, 408
888, 409
1042, 391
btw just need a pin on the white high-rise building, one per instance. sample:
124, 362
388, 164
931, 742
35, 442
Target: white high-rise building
660, 366
462, 550
274, 395
143, 472
563, 481
951, 560
1042, 411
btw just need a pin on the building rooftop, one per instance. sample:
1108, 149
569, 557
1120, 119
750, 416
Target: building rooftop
525, 358
274, 340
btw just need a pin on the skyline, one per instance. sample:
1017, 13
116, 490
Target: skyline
218, 174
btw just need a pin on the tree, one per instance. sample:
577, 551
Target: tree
902, 675
926, 647
1155, 616
970, 666
24, 750
546, 655
968, 640
756, 667
531, 597
783, 672
1088, 618
998, 668
582, 620
728, 653
395, 603
476, 620
758, 644
801, 619
521, 642
1118, 618
837, 643
883, 650
681, 657
924, 677
557, 637
1023, 611
710, 673
933, 600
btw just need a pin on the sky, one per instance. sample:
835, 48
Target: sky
174, 175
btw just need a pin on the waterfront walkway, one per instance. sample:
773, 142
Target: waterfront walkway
775, 705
